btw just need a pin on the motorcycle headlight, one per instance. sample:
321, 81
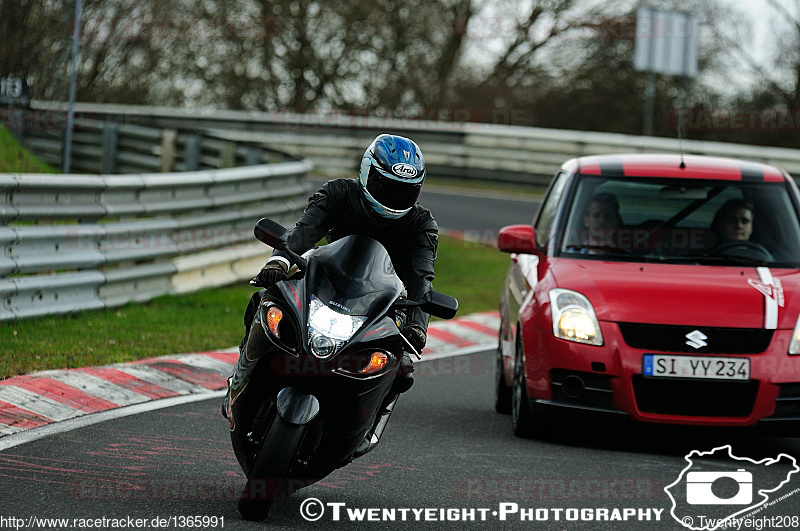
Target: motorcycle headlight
328, 328
574, 318
794, 346
322, 346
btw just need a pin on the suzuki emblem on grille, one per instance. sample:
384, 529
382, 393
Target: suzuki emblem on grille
696, 339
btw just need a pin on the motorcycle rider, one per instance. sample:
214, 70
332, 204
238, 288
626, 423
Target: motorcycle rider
381, 204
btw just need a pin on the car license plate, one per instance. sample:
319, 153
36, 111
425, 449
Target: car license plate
707, 367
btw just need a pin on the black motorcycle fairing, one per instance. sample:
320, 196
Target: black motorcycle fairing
382, 336
355, 399
352, 276
296, 407
289, 335
346, 271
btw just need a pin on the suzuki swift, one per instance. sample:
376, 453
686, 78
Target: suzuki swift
659, 287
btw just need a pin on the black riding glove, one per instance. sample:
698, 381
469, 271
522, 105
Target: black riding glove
270, 274
415, 335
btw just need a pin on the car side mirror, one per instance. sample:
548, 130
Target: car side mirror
517, 239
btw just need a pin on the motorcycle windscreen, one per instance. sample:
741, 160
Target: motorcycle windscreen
355, 272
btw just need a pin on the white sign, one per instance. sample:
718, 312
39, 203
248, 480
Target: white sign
12, 89
666, 42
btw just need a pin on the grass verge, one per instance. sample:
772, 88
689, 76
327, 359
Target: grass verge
14, 158
206, 320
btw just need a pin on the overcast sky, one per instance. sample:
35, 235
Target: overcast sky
766, 22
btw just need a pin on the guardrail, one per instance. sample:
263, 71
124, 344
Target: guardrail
121, 238
76, 242
453, 149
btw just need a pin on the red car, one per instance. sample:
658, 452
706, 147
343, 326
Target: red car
660, 287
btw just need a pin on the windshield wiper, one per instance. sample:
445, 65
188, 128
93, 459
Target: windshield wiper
708, 260
732, 260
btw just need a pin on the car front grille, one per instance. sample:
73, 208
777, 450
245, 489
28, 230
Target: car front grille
670, 338
690, 398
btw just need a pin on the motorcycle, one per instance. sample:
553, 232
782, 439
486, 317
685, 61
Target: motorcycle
311, 390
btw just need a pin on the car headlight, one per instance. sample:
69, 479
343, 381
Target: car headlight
574, 318
794, 346
328, 328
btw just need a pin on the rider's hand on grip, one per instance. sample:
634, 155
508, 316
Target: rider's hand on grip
415, 335
270, 274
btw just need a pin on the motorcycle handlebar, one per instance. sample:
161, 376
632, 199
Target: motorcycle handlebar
274, 234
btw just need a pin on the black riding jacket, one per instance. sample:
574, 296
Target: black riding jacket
337, 210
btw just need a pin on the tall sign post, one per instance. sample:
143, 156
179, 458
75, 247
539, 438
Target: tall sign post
76, 37
666, 43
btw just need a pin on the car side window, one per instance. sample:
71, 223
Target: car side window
547, 213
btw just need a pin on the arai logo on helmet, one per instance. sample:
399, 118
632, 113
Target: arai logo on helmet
404, 170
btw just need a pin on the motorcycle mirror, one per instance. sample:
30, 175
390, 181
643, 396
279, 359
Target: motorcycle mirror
274, 234
270, 232
437, 304
440, 305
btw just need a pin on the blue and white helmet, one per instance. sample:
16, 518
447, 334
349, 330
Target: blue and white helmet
392, 172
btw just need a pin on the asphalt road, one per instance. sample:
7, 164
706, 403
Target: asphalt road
445, 449
477, 211
480, 213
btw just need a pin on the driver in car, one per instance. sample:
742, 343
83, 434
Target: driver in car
733, 227
733, 221
601, 220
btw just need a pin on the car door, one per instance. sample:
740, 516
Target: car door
522, 272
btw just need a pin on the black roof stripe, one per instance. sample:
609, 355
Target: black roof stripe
611, 167
752, 172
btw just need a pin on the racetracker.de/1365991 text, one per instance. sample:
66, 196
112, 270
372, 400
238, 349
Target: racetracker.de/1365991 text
122, 522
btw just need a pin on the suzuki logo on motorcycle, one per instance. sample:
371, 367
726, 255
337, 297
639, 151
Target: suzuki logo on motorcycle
341, 306
696, 339
404, 170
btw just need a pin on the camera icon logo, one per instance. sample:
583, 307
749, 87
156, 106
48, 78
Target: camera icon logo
699, 488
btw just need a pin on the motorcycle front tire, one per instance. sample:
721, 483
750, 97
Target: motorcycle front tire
268, 476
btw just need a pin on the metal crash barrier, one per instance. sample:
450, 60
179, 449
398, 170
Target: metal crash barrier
78, 242
454, 147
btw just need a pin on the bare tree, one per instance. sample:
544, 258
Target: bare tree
781, 79
35, 44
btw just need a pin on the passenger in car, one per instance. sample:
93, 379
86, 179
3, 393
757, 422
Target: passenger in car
733, 221
601, 220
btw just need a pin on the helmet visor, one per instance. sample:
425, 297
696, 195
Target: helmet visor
391, 193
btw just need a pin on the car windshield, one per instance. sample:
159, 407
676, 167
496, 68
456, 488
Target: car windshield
682, 221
